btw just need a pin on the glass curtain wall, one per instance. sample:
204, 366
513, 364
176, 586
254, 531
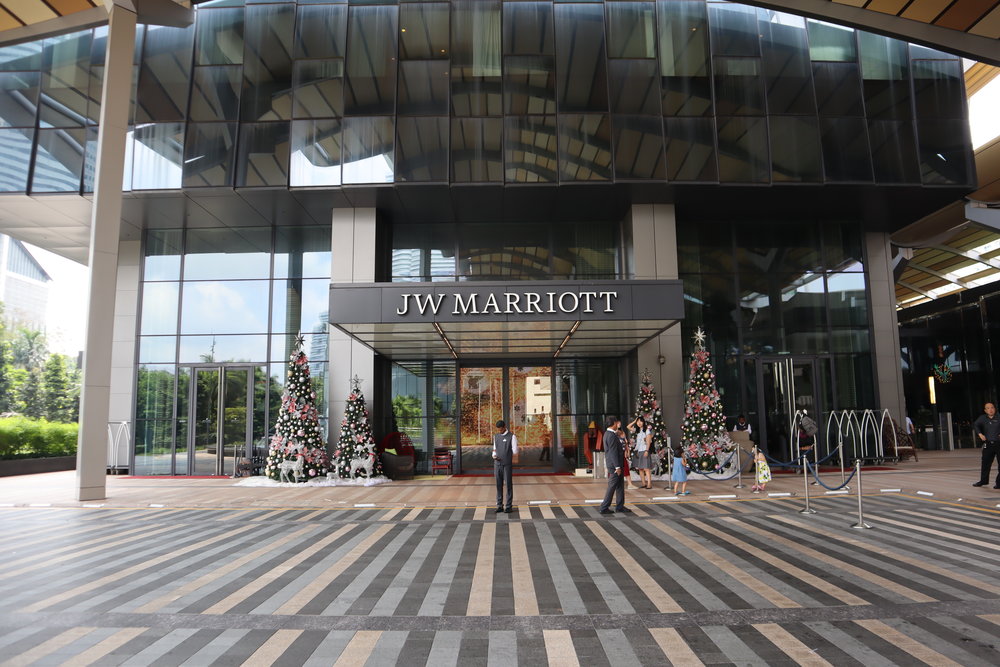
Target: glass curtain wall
225, 298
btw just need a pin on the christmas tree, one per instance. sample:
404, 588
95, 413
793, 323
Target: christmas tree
297, 439
647, 406
703, 433
355, 455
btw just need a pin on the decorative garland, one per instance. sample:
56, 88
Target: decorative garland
943, 373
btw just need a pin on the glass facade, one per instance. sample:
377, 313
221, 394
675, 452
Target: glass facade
219, 315
310, 94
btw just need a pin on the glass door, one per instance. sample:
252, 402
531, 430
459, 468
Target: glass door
482, 404
784, 385
215, 419
530, 399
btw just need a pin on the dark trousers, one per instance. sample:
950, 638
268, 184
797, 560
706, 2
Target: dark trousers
616, 487
991, 450
504, 475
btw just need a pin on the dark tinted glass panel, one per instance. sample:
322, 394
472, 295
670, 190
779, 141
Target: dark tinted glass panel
782, 313
845, 149
65, 81
738, 89
848, 300
838, 89
316, 149
267, 70
424, 252
219, 37
795, 153
684, 58
158, 156
423, 87
96, 79
476, 57
421, 149
690, 144
639, 147
938, 88
734, 29
423, 31
263, 156
584, 147
209, 154
163, 255
518, 251
371, 61
530, 149
302, 252
705, 248
59, 160
318, 88
530, 85
585, 250
842, 246
894, 154
476, 150
945, 152
475, 95
580, 58
635, 87
924, 52
787, 72
631, 30
321, 31
164, 74
778, 247
743, 154
18, 98
885, 70
215, 93
527, 28
710, 299
368, 150
231, 254
831, 42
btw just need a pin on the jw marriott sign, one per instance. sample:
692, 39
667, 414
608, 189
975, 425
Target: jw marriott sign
509, 303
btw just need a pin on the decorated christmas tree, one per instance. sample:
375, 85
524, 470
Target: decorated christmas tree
647, 406
703, 433
355, 455
297, 448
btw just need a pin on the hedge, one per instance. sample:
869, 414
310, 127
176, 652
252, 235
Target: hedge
24, 438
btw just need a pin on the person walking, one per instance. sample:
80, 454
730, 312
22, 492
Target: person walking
987, 429
504, 449
679, 474
641, 460
614, 456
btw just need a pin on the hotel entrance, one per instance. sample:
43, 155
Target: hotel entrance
522, 397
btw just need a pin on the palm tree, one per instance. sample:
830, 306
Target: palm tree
29, 349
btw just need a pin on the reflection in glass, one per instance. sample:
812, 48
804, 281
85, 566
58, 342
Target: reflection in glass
476, 155
945, 152
795, 152
787, 71
582, 81
302, 252
848, 300
779, 248
527, 28
153, 444
784, 313
529, 85
316, 148
162, 255
65, 80
318, 88
26, 56
684, 57
371, 60
584, 147
530, 149
263, 154
482, 395
885, 68
158, 156
838, 89
321, 31
893, 148
205, 421
215, 93
710, 299
631, 30
585, 251
59, 160
690, 144
299, 306
423, 252
476, 58
154, 392
422, 149
267, 66
18, 98
639, 147
743, 155
423, 31
224, 307
316, 345
208, 155
423, 87
738, 88
734, 29
201, 349
368, 150
634, 87
845, 149
842, 246
159, 309
705, 248
164, 74
219, 37
937, 89
512, 251
831, 42
228, 254
158, 349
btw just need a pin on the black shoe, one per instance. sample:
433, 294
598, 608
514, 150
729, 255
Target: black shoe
509, 510
979, 484
624, 510
498, 510
606, 512
997, 486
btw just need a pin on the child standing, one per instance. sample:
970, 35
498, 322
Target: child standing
679, 475
763, 472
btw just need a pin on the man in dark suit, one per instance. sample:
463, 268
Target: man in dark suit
614, 456
504, 448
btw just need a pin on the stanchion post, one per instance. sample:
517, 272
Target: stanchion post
861, 524
805, 484
739, 467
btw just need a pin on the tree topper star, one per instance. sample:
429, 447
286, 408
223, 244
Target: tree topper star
699, 337
300, 341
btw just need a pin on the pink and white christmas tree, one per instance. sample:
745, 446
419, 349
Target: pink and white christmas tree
647, 406
355, 455
703, 433
297, 436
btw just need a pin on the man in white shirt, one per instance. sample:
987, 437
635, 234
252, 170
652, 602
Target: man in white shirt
504, 449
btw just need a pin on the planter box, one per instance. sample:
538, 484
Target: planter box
33, 466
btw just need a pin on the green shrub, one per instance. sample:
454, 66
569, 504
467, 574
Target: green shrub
24, 438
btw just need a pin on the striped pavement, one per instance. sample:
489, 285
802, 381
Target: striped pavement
676, 583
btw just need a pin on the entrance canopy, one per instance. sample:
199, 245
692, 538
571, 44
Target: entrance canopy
506, 320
